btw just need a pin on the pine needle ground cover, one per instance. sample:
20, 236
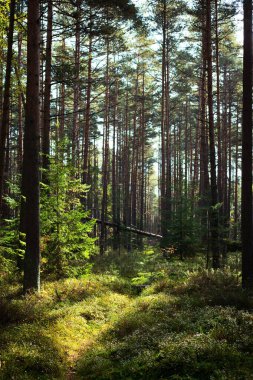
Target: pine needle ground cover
135, 316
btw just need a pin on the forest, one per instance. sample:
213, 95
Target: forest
126, 217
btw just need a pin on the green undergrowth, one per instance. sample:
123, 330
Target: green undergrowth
134, 316
201, 328
41, 335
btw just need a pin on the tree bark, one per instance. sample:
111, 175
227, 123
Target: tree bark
246, 218
86, 131
105, 170
30, 173
6, 102
214, 194
47, 92
75, 127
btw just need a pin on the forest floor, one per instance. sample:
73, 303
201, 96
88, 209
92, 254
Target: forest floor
134, 316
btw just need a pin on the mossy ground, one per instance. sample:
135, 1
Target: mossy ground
136, 316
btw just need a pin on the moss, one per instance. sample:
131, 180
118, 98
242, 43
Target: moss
42, 334
30, 353
185, 324
181, 332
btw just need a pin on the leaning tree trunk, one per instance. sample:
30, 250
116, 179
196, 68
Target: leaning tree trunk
30, 177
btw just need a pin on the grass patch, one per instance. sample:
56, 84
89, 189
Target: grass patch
196, 325
153, 319
42, 335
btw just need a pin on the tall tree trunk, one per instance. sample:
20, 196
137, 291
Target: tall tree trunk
126, 164
105, 171
135, 154
164, 115
47, 92
224, 153
217, 58
196, 159
86, 131
62, 101
142, 177
246, 219
214, 194
186, 179
6, 101
204, 174
204, 177
114, 169
229, 158
168, 207
20, 110
235, 236
76, 86
30, 173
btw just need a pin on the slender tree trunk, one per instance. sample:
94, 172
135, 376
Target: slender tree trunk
86, 131
105, 171
6, 101
163, 141
135, 154
47, 92
217, 58
229, 159
224, 147
31, 176
204, 177
229, 179
196, 160
142, 177
114, 169
236, 176
167, 203
126, 164
62, 101
20, 111
186, 179
214, 195
76, 86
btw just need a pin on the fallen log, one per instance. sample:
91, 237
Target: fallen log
122, 227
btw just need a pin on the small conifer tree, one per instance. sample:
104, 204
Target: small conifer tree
66, 243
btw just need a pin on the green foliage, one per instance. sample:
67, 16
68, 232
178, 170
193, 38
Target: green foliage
4, 9
30, 353
9, 247
177, 332
40, 335
10, 244
186, 324
128, 264
66, 244
184, 229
